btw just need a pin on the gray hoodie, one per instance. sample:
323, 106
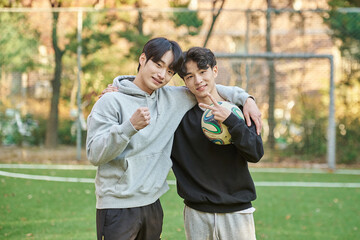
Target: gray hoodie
133, 165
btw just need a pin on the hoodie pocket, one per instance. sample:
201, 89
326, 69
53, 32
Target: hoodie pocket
108, 175
145, 174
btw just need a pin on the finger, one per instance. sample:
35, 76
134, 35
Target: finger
247, 119
203, 105
144, 111
146, 114
213, 100
258, 126
109, 85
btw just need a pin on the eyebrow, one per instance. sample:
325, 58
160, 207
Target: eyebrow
159, 61
187, 74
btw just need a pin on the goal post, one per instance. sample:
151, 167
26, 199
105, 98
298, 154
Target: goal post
331, 128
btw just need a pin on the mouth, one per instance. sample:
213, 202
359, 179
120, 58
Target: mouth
201, 88
157, 81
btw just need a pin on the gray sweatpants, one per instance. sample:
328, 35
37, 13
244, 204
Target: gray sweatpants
218, 226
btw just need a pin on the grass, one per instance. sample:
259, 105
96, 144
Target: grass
32, 209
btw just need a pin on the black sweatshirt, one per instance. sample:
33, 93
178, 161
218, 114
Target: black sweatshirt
215, 178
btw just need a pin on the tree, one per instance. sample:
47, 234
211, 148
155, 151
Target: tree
189, 19
53, 120
272, 72
345, 26
215, 14
92, 42
272, 79
18, 44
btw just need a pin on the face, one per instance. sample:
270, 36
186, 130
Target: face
154, 75
200, 81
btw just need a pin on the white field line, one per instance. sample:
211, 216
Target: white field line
49, 166
46, 178
173, 182
308, 184
305, 170
269, 170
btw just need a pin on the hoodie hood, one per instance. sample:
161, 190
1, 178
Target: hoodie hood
126, 86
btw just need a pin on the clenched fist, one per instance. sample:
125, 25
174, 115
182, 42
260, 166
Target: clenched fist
141, 118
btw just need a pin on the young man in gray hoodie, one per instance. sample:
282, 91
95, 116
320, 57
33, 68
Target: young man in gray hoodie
129, 138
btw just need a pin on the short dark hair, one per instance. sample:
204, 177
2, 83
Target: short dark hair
155, 49
204, 58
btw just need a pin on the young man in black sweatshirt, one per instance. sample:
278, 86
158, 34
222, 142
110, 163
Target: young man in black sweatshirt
214, 180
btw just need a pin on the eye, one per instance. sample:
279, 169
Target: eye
202, 72
171, 72
188, 78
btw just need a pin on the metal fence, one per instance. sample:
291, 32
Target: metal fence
303, 122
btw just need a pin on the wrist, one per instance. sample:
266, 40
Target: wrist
250, 99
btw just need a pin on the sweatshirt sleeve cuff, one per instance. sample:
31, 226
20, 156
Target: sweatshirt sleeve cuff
232, 120
126, 129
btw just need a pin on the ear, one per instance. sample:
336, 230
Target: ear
142, 59
215, 71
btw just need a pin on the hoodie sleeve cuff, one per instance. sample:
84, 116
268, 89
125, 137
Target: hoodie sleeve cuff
235, 95
126, 129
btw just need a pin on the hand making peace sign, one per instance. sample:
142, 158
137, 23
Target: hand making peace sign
250, 111
220, 113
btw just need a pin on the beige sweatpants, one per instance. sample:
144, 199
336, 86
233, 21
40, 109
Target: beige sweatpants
218, 226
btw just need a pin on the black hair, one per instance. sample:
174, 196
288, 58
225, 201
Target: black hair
204, 58
155, 49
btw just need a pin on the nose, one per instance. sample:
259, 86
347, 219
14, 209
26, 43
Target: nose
162, 73
198, 79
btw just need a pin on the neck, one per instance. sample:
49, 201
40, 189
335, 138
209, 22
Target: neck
138, 81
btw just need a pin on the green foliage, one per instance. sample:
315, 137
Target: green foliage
343, 3
137, 42
18, 42
38, 133
347, 138
34, 131
95, 34
121, 3
24, 130
10, 3
345, 26
189, 19
95, 58
64, 131
306, 132
67, 132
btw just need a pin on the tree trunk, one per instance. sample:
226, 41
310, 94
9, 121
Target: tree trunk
140, 22
214, 18
52, 124
272, 79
